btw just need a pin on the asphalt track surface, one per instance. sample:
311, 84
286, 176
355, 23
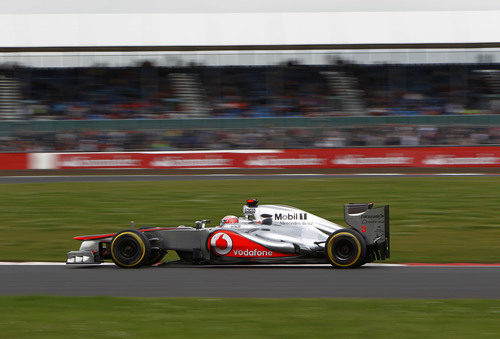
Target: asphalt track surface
158, 177
261, 282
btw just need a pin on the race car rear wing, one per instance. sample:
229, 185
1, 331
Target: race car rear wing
373, 224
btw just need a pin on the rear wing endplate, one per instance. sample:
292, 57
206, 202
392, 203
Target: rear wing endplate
373, 224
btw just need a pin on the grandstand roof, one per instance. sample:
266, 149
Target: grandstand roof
238, 6
237, 23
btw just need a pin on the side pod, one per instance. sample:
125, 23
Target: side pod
373, 224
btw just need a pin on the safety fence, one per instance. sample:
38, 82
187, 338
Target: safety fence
445, 157
9, 127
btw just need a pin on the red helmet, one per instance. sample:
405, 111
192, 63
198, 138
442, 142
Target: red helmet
229, 219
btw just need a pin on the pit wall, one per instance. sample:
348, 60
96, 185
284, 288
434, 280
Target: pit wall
446, 157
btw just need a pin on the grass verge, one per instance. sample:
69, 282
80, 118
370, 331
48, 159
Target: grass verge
433, 219
96, 317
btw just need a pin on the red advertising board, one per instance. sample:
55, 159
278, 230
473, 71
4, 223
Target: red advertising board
147, 160
296, 158
13, 161
379, 157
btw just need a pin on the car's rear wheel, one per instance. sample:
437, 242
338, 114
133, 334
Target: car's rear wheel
130, 249
346, 248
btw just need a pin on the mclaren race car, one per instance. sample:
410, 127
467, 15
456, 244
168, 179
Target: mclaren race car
265, 234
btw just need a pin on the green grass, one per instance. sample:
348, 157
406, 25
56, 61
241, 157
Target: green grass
97, 317
433, 219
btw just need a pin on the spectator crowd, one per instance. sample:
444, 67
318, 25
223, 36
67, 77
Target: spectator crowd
149, 92
162, 140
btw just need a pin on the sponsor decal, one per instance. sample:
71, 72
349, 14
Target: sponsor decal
271, 161
375, 224
81, 161
252, 253
354, 159
221, 243
232, 244
373, 219
374, 216
169, 161
248, 210
448, 159
290, 216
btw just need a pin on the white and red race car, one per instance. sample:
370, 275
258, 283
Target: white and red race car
265, 234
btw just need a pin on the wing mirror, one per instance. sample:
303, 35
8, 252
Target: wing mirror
267, 221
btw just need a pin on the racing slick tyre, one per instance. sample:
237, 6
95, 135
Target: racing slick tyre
130, 249
346, 248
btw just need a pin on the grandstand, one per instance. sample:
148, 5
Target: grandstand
257, 91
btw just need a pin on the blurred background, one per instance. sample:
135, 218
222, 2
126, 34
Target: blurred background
163, 77
300, 88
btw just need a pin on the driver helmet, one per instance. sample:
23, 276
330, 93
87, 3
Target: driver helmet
229, 219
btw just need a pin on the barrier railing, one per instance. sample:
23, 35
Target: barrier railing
7, 127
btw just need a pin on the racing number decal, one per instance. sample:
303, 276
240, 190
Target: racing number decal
363, 229
221, 243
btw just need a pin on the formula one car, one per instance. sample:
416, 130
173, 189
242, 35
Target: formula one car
265, 234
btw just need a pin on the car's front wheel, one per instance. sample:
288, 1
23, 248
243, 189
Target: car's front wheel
346, 248
130, 249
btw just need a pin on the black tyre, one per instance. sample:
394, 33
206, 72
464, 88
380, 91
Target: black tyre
346, 248
130, 249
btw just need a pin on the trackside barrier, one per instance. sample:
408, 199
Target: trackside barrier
13, 161
445, 157
9, 127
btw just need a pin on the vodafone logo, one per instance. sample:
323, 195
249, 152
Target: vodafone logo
221, 243
252, 253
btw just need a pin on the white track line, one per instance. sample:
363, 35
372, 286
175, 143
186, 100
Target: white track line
296, 174
379, 174
459, 174
36, 263
44, 263
298, 265
240, 175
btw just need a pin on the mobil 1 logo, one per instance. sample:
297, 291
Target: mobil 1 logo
290, 216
